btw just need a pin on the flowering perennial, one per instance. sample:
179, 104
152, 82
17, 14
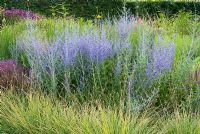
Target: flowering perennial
21, 14
92, 46
161, 59
12, 72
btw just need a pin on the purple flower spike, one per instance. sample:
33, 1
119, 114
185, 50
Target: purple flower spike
69, 50
124, 26
161, 60
92, 46
96, 47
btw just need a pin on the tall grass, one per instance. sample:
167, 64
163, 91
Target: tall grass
7, 39
181, 123
37, 113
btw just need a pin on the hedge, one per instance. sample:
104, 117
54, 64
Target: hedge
82, 8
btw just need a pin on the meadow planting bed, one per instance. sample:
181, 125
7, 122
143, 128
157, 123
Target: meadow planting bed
125, 75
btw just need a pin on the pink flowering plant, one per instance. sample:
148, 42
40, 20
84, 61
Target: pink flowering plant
23, 14
14, 14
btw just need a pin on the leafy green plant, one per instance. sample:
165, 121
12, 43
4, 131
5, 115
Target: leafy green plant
59, 10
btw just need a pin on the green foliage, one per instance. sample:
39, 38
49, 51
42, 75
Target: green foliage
7, 39
89, 9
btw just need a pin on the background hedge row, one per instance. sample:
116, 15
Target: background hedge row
89, 9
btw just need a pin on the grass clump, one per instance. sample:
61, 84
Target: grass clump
37, 113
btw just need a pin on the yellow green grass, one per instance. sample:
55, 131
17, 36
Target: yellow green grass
36, 113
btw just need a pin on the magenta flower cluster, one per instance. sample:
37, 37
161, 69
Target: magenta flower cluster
11, 71
24, 14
